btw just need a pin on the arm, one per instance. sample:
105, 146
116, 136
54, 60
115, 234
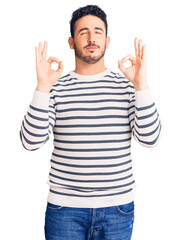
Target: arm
38, 122
40, 117
144, 118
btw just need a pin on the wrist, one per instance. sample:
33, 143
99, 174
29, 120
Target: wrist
43, 88
141, 87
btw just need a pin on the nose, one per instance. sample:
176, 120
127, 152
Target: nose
91, 37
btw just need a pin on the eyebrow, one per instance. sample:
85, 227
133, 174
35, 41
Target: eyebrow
82, 29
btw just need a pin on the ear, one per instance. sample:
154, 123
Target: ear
107, 42
71, 42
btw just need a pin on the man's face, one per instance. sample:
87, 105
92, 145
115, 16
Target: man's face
90, 40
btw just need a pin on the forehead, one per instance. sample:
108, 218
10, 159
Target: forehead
89, 21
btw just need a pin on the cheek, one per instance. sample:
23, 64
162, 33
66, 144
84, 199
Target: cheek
101, 40
102, 43
81, 42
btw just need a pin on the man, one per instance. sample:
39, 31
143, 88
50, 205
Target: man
92, 112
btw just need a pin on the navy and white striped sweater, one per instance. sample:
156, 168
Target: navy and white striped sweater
93, 118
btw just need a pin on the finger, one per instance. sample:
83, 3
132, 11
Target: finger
40, 49
121, 67
44, 52
136, 46
128, 57
60, 67
53, 59
140, 44
37, 55
143, 52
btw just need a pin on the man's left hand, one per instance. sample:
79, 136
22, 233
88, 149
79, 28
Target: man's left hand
137, 72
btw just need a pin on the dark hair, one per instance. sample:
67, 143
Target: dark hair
87, 10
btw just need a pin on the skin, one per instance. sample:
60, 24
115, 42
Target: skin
89, 30
90, 44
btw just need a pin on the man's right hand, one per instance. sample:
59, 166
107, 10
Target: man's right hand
46, 77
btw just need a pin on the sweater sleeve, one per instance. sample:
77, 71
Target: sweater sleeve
38, 122
144, 118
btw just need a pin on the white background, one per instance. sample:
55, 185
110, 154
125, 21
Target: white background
157, 170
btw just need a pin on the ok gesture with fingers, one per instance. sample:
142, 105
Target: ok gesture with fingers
137, 72
45, 75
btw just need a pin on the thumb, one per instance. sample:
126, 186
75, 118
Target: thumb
60, 67
121, 67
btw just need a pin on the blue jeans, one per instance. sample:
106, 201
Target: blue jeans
108, 223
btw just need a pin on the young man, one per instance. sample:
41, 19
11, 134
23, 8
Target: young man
92, 112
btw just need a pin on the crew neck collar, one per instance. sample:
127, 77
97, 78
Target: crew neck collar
79, 76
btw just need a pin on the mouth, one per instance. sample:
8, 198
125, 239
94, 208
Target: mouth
92, 47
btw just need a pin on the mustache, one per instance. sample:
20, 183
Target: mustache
91, 45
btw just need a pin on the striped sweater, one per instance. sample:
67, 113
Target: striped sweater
93, 118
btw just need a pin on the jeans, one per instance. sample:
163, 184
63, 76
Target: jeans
108, 223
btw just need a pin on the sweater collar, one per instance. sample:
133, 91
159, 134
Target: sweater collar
95, 76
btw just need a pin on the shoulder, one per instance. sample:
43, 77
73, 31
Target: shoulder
68, 75
119, 77
115, 75
63, 80
60, 84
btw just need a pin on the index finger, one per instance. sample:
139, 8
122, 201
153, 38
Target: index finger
44, 52
37, 55
128, 57
136, 46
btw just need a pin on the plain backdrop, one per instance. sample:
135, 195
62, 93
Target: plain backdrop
24, 174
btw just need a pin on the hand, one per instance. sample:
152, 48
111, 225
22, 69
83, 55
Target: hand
137, 72
45, 75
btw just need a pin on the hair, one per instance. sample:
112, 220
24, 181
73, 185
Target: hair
87, 10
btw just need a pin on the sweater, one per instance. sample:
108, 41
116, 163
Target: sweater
93, 119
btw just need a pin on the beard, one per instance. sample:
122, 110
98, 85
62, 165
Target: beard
88, 59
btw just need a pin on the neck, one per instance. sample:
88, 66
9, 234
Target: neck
84, 68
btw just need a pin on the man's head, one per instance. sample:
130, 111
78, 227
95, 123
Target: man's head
87, 10
89, 33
